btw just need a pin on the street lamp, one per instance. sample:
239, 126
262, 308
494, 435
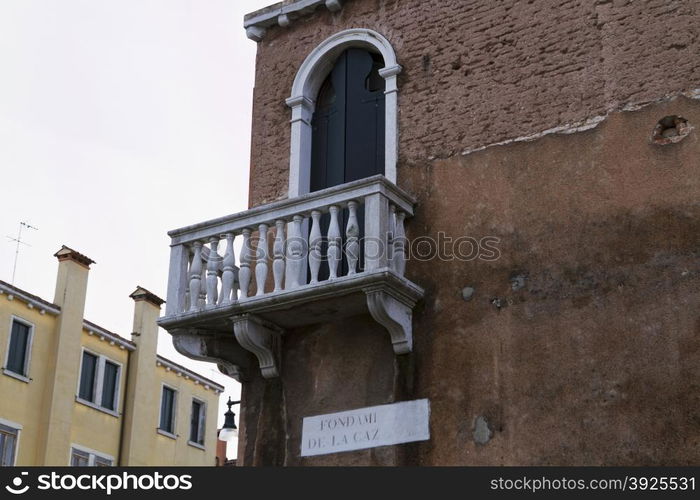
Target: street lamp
229, 431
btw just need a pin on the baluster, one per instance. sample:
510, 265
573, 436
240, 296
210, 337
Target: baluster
352, 231
334, 250
234, 289
315, 241
203, 285
244, 273
399, 254
228, 275
195, 275
390, 235
261, 260
212, 272
278, 253
295, 253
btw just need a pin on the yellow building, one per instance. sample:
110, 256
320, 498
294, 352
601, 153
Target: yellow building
73, 393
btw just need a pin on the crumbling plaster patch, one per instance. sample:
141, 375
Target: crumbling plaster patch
587, 124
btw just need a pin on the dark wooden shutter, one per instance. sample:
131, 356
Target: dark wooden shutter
109, 386
195, 423
19, 343
328, 131
87, 377
364, 129
166, 410
348, 123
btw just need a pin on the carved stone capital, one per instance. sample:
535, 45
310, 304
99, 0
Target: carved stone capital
261, 338
390, 71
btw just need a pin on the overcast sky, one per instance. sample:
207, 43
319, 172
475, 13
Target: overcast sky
120, 120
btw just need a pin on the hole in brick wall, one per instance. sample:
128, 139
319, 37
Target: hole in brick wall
426, 62
670, 129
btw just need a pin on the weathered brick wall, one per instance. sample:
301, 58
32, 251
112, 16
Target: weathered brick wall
481, 72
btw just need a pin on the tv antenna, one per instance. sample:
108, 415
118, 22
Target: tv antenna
18, 240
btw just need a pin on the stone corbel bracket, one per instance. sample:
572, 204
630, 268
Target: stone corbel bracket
192, 343
395, 313
261, 338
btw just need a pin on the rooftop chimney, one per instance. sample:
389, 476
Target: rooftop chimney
141, 378
64, 363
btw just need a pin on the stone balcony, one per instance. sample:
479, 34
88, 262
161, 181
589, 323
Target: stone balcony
319, 257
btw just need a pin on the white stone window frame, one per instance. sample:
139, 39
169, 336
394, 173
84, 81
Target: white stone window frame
312, 73
99, 383
92, 455
27, 355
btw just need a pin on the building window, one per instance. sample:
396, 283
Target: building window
84, 458
99, 381
361, 89
19, 348
197, 422
79, 458
8, 445
167, 410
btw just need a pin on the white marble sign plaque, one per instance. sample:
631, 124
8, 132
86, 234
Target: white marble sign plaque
366, 428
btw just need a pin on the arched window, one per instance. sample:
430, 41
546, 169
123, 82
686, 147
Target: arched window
348, 130
316, 96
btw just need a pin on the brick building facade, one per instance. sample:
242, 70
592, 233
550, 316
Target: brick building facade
564, 131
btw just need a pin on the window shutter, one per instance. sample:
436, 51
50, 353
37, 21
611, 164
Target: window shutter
202, 422
166, 410
19, 343
87, 377
364, 129
328, 131
197, 422
194, 421
109, 385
